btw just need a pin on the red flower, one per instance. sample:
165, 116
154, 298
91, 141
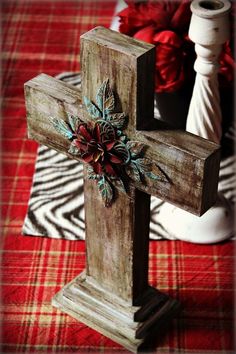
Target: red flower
227, 65
169, 61
165, 24
162, 14
99, 147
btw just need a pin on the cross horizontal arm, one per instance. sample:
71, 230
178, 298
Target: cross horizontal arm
189, 162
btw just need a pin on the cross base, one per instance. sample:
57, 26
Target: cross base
115, 318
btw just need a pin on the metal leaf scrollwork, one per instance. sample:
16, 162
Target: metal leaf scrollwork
118, 120
74, 150
111, 155
63, 128
136, 148
93, 111
105, 99
105, 190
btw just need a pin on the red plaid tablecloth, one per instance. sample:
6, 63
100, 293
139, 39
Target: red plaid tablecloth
43, 36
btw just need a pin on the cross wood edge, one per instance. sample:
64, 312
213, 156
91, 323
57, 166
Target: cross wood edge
190, 163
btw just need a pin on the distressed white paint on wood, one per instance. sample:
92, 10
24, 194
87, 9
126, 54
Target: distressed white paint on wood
116, 319
209, 29
113, 295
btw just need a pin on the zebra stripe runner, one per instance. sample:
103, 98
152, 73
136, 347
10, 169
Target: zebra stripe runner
56, 204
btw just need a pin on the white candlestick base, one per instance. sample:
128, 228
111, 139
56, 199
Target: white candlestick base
216, 225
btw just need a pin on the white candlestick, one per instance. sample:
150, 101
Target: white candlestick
209, 29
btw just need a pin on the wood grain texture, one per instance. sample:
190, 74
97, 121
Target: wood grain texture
113, 295
117, 241
183, 157
47, 98
113, 317
122, 265
129, 66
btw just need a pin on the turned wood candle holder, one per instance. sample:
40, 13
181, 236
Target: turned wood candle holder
209, 30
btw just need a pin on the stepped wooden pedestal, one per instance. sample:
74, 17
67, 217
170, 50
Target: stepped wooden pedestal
130, 326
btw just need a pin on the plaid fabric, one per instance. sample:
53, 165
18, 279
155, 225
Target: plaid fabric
43, 36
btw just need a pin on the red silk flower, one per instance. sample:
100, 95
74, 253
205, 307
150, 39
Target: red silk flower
165, 24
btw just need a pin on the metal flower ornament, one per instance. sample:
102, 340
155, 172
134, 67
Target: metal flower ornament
111, 156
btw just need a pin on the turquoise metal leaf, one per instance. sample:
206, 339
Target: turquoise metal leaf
105, 190
107, 131
118, 120
62, 128
73, 121
93, 111
133, 171
136, 148
92, 174
156, 174
122, 151
100, 98
74, 150
144, 165
122, 137
109, 104
153, 176
105, 99
119, 184
150, 169
109, 99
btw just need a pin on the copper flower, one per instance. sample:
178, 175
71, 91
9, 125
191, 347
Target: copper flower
100, 148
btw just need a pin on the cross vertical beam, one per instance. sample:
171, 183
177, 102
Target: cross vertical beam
119, 262
117, 242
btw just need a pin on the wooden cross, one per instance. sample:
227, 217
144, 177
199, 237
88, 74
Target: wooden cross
112, 295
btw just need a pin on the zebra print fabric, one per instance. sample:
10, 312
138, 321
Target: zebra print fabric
56, 205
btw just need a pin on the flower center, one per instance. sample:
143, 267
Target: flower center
99, 153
